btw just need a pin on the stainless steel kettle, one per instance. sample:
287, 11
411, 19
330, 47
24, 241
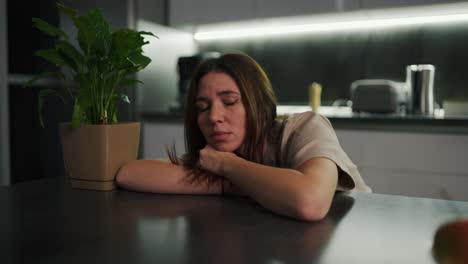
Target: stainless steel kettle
420, 88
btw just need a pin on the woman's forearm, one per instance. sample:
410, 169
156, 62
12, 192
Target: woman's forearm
285, 191
160, 177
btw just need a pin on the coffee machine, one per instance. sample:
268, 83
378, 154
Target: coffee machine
186, 67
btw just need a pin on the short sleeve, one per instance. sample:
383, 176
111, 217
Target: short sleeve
309, 135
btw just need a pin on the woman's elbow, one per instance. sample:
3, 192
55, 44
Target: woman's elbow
124, 175
312, 208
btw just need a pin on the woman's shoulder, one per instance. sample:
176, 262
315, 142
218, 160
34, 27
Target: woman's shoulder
309, 119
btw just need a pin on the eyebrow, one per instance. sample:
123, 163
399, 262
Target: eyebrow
221, 93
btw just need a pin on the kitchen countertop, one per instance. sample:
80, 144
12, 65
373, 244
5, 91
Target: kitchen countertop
344, 118
46, 221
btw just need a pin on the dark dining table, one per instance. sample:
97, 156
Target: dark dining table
46, 221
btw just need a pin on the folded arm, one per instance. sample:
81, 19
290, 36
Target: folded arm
160, 177
305, 193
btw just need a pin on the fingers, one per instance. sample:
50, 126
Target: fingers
206, 151
209, 147
208, 159
203, 157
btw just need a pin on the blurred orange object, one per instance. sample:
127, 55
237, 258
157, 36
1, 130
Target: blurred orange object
451, 243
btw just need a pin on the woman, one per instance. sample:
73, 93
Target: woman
235, 145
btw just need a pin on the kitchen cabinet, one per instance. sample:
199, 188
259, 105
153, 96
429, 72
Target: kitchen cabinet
187, 12
280, 8
412, 164
419, 164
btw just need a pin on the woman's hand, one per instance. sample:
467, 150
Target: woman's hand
213, 160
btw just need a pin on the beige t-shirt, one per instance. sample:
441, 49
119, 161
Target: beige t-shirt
307, 135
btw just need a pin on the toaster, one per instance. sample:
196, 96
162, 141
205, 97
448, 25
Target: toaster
378, 96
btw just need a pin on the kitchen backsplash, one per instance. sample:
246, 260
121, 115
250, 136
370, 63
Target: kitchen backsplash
337, 59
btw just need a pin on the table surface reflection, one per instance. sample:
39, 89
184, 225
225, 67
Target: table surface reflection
48, 222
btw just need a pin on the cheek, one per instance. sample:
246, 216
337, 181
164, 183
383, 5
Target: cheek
242, 122
200, 123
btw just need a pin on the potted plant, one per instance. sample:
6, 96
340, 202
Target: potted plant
95, 145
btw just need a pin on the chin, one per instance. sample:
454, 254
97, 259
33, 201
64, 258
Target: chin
224, 147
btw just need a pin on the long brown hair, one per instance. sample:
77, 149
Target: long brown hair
258, 99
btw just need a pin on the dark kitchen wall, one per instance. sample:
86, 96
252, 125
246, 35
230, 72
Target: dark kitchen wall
4, 118
34, 151
24, 40
336, 59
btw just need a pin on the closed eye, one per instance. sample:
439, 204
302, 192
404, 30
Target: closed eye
202, 109
202, 106
231, 102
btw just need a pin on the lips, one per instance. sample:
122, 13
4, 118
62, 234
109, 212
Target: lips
220, 136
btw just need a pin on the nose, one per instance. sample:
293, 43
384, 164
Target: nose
216, 113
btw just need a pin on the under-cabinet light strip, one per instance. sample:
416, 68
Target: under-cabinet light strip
259, 31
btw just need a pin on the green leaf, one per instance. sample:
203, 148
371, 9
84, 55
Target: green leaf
48, 28
139, 60
103, 33
75, 58
147, 33
114, 117
69, 12
86, 35
104, 61
129, 82
124, 98
76, 116
85, 92
122, 41
44, 75
94, 34
52, 55
126, 42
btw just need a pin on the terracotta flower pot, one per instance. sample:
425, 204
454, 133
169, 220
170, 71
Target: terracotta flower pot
94, 153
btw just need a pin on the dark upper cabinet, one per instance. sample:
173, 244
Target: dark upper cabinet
187, 12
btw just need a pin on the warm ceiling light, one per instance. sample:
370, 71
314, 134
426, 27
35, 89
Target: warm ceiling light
345, 22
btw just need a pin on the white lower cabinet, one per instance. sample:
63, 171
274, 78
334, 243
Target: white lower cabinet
411, 164
417, 183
